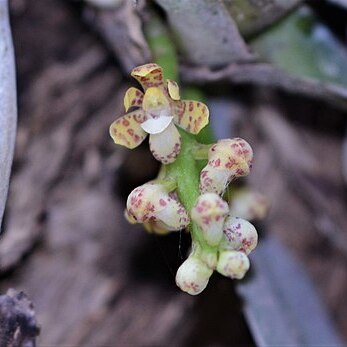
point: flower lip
(156, 126)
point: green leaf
(301, 45)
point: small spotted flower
(233, 264)
(227, 159)
(248, 204)
(193, 275)
(239, 235)
(159, 110)
(209, 213)
(152, 203)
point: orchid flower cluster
(222, 238)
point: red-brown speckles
(162, 202)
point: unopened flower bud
(249, 205)
(193, 276)
(209, 213)
(239, 235)
(233, 264)
(227, 159)
(151, 202)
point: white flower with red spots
(233, 264)
(227, 160)
(193, 275)
(249, 204)
(152, 203)
(209, 213)
(238, 235)
(159, 109)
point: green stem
(185, 170)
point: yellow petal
(166, 145)
(191, 116)
(148, 75)
(173, 89)
(133, 98)
(127, 131)
(154, 101)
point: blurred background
(273, 72)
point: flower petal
(173, 89)
(148, 75)
(166, 145)
(213, 181)
(174, 215)
(233, 264)
(127, 131)
(208, 213)
(156, 103)
(239, 235)
(133, 98)
(191, 116)
(157, 125)
(193, 276)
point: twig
(8, 106)
(121, 30)
(264, 75)
(206, 32)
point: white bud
(228, 159)
(249, 205)
(233, 264)
(151, 202)
(208, 213)
(193, 275)
(239, 235)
